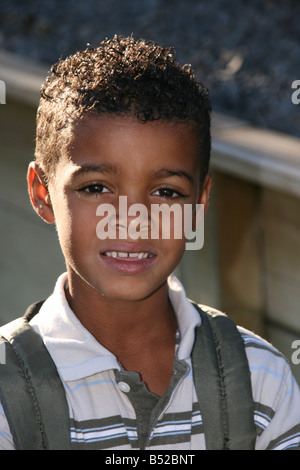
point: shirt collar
(75, 351)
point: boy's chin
(128, 290)
(98, 286)
(132, 295)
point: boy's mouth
(130, 256)
(128, 259)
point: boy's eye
(167, 193)
(94, 189)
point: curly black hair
(121, 76)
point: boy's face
(110, 156)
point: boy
(124, 119)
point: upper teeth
(122, 254)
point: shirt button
(124, 387)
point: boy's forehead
(91, 123)
(128, 129)
(112, 141)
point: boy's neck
(140, 334)
(122, 324)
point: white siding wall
(30, 257)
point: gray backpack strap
(31, 392)
(223, 384)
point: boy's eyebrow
(102, 168)
(108, 168)
(165, 172)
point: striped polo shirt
(111, 408)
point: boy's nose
(135, 196)
(133, 215)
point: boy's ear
(205, 192)
(38, 193)
(203, 199)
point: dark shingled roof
(246, 52)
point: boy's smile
(109, 157)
